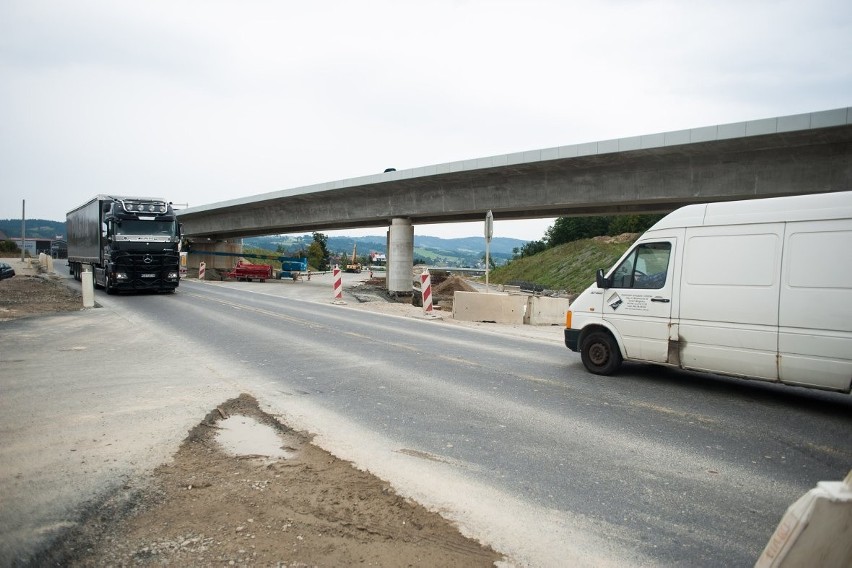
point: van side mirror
(601, 280)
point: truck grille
(146, 270)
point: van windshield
(644, 268)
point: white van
(759, 289)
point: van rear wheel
(600, 353)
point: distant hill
(36, 228)
(467, 251)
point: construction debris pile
(444, 287)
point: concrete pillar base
(400, 256)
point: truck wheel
(107, 288)
(600, 353)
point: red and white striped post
(338, 285)
(202, 269)
(426, 291)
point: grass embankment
(569, 267)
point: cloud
(207, 101)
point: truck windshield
(134, 227)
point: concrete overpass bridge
(798, 154)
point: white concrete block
(546, 311)
(87, 279)
(499, 308)
(816, 530)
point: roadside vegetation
(572, 249)
(570, 267)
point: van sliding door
(729, 299)
(815, 333)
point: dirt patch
(211, 508)
(451, 285)
(622, 238)
(29, 295)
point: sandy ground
(221, 502)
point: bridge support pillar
(400, 256)
(214, 261)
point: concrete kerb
(429, 316)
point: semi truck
(758, 289)
(129, 243)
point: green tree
(632, 223)
(529, 249)
(569, 229)
(9, 246)
(318, 252)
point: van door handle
(663, 300)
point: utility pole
(23, 228)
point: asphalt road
(510, 436)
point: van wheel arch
(599, 352)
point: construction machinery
(246, 272)
(354, 265)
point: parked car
(6, 271)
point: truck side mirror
(601, 280)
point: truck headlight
(121, 276)
(172, 276)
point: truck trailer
(129, 243)
(758, 289)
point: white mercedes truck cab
(759, 289)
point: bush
(9, 246)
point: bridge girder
(645, 180)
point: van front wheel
(600, 353)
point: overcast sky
(205, 101)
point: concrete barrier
(45, 262)
(816, 530)
(509, 308)
(88, 285)
(546, 311)
(499, 308)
